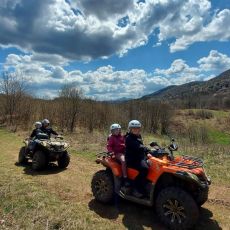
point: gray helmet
(134, 124)
(45, 122)
(115, 126)
(38, 124)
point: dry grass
(56, 199)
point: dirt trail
(72, 188)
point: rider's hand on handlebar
(111, 154)
(149, 155)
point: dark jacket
(35, 132)
(48, 131)
(135, 150)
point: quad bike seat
(132, 173)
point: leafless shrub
(203, 114)
(15, 91)
(197, 134)
(69, 106)
(190, 112)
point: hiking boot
(137, 194)
(126, 182)
(125, 190)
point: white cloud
(215, 61)
(103, 10)
(90, 29)
(179, 73)
(217, 29)
(107, 83)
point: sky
(113, 49)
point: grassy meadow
(62, 199)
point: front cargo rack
(188, 162)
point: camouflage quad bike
(46, 150)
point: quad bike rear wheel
(64, 160)
(39, 160)
(22, 156)
(102, 186)
(176, 208)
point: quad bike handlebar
(104, 154)
(183, 161)
(59, 137)
(161, 151)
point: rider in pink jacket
(116, 145)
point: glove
(152, 144)
(146, 150)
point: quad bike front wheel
(176, 208)
(102, 186)
(64, 160)
(22, 156)
(39, 160)
(202, 196)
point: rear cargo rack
(189, 162)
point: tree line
(70, 110)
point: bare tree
(70, 101)
(14, 88)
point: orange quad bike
(176, 187)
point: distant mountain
(119, 100)
(215, 87)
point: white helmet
(115, 126)
(38, 124)
(45, 122)
(134, 124)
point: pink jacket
(116, 144)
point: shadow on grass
(134, 216)
(50, 169)
(205, 221)
(139, 217)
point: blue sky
(113, 49)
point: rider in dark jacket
(47, 129)
(33, 135)
(135, 156)
(37, 130)
(135, 150)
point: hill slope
(215, 87)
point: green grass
(216, 113)
(35, 201)
(56, 199)
(220, 113)
(216, 159)
(219, 137)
